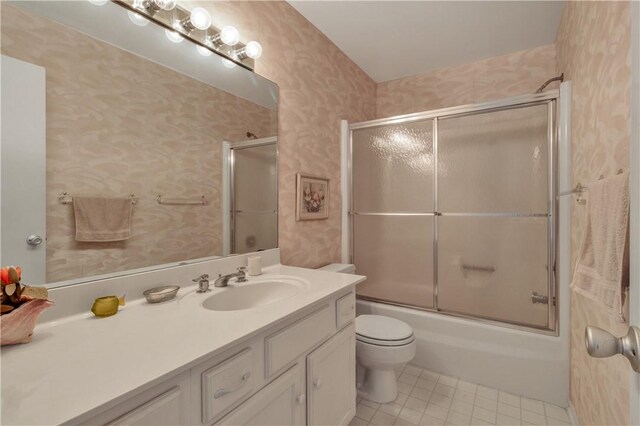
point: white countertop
(75, 365)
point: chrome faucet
(203, 283)
(223, 280)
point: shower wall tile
(319, 86)
(486, 80)
(593, 50)
(166, 138)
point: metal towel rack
(66, 198)
(580, 189)
(182, 201)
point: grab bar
(465, 268)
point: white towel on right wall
(602, 271)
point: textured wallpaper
(120, 124)
(319, 86)
(486, 80)
(593, 45)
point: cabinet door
(162, 410)
(281, 403)
(164, 404)
(331, 380)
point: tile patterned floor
(428, 398)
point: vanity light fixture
(199, 19)
(138, 19)
(228, 35)
(154, 6)
(173, 36)
(204, 51)
(98, 2)
(252, 50)
(181, 23)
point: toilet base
(379, 386)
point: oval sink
(249, 295)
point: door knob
(602, 344)
(34, 240)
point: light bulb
(200, 18)
(253, 50)
(173, 36)
(229, 35)
(166, 4)
(138, 19)
(98, 2)
(227, 63)
(204, 51)
(154, 6)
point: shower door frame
(228, 183)
(549, 98)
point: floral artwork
(312, 195)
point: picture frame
(312, 197)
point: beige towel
(602, 271)
(102, 219)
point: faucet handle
(203, 283)
(201, 278)
(243, 278)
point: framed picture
(312, 197)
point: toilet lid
(383, 329)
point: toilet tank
(345, 268)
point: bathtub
(520, 362)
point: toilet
(382, 344)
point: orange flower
(7, 277)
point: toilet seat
(377, 342)
(383, 331)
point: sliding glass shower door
(455, 212)
(393, 212)
(492, 232)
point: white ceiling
(395, 39)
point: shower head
(559, 78)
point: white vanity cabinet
(282, 402)
(166, 404)
(299, 371)
(331, 380)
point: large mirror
(126, 147)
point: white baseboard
(573, 416)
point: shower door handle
(602, 344)
(539, 298)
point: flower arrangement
(21, 305)
(313, 196)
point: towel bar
(66, 198)
(182, 202)
(581, 189)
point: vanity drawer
(345, 310)
(289, 343)
(226, 384)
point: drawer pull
(301, 398)
(317, 383)
(224, 391)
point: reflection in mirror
(254, 195)
(115, 110)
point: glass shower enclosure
(454, 210)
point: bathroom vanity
(288, 362)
